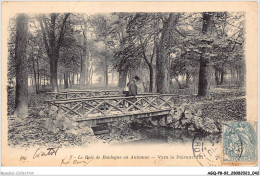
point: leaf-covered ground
(223, 105)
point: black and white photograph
(120, 80)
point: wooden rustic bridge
(97, 110)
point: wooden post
(58, 109)
(83, 108)
(124, 103)
(109, 102)
(105, 108)
(142, 103)
(172, 100)
(49, 107)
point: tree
(142, 32)
(83, 77)
(102, 27)
(163, 56)
(228, 44)
(203, 87)
(53, 32)
(118, 33)
(81, 26)
(11, 52)
(37, 58)
(21, 93)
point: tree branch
(143, 52)
(62, 32)
(44, 36)
(46, 26)
(179, 32)
(154, 47)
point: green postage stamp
(240, 142)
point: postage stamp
(240, 142)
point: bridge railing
(98, 96)
(79, 94)
(91, 108)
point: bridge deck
(92, 121)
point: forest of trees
(65, 49)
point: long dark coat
(132, 88)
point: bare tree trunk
(66, 82)
(221, 77)
(217, 76)
(53, 69)
(122, 78)
(91, 74)
(35, 77)
(21, 93)
(242, 75)
(40, 82)
(73, 79)
(231, 76)
(162, 56)
(150, 65)
(106, 72)
(36, 84)
(48, 80)
(203, 77)
(155, 80)
(38, 73)
(82, 78)
(151, 78)
(204, 82)
(237, 72)
(77, 78)
(31, 81)
(44, 80)
(87, 68)
(84, 60)
(69, 79)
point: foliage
(126, 41)
(189, 117)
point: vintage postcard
(129, 84)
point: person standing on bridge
(132, 87)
